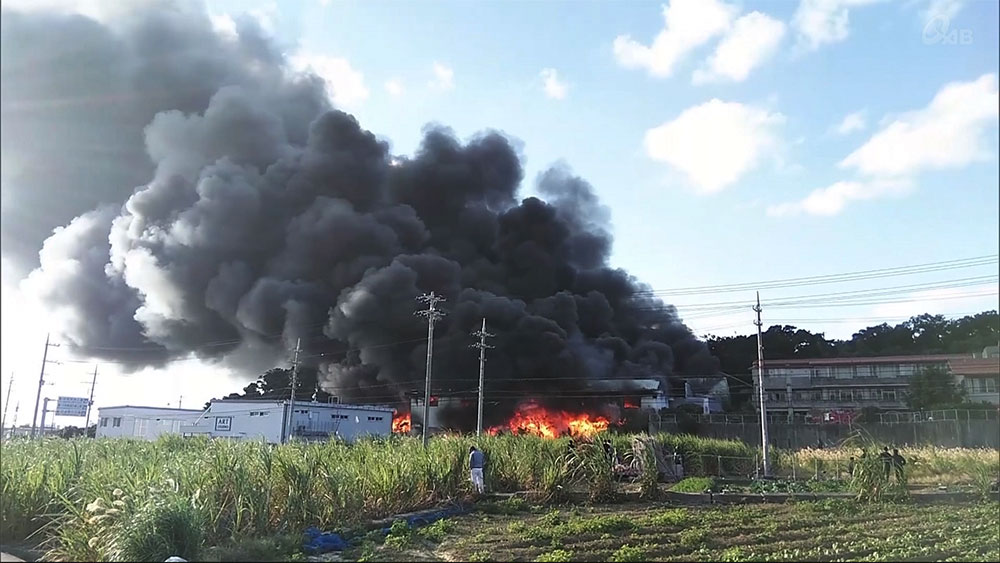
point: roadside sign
(72, 406)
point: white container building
(146, 423)
(249, 419)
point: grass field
(121, 500)
(814, 531)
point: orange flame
(532, 418)
(401, 423)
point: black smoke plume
(268, 219)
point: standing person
(897, 463)
(477, 461)
(886, 458)
(850, 467)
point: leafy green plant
(628, 553)
(555, 555)
(693, 485)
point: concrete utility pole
(45, 409)
(41, 381)
(482, 345)
(433, 315)
(90, 402)
(760, 380)
(13, 423)
(6, 401)
(291, 399)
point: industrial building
(247, 419)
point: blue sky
(885, 62)
(732, 141)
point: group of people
(891, 463)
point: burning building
(259, 217)
(582, 413)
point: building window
(374, 418)
(259, 413)
(104, 421)
(338, 416)
(303, 411)
(116, 422)
(888, 370)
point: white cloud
(394, 87)
(554, 88)
(819, 22)
(947, 133)
(344, 84)
(852, 122)
(753, 39)
(266, 15)
(715, 143)
(687, 25)
(941, 10)
(832, 199)
(444, 77)
(223, 24)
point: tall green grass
(122, 500)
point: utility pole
(13, 423)
(482, 345)
(6, 402)
(90, 402)
(760, 380)
(433, 315)
(291, 399)
(180, 401)
(45, 409)
(41, 381)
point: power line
(830, 278)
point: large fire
(532, 418)
(401, 423)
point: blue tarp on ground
(317, 541)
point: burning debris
(266, 218)
(401, 423)
(532, 418)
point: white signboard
(72, 406)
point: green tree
(931, 387)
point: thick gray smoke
(75, 95)
(267, 218)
